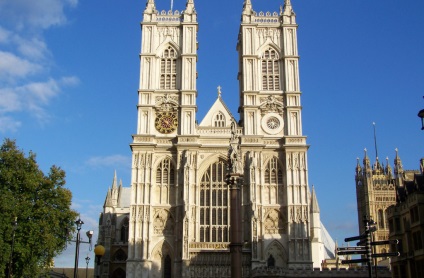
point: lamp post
(87, 261)
(15, 225)
(78, 241)
(99, 251)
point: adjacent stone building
(114, 229)
(375, 192)
(406, 224)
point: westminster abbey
(174, 219)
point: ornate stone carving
(166, 103)
(271, 104)
(163, 223)
(274, 223)
(234, 155)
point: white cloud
(12, 66)
(40, 14)
(69, 80)
(34, 96)
(33, 48)
(10, 101)
(112, 160)
(9, 124)
(4, 35)
(25, 59)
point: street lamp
(99, 251)
(421, 115)
(87, 261)
(15, 225)
(78, 241)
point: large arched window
(273, 182)
(164, 189)
(270, 70)
(273, 174)
(168, 69)
(214, 206)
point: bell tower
(167, 89)
(165, 114)
(270, 114)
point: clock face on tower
(166, 122)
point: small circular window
(272, 123)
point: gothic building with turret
(377, 188)
(174, 220)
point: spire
(358, 167)
(150, 6)
(247, 13)
(190, 7)
(219, 91)
(287, 9)
(366, 160)
(247, 7)
(115, 181)
(375, 141)
(314, 201)
(388, 169)
(287, 14)
(398, 164)
(377, 166)
(108, 201)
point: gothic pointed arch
(268, 44)
(166, 44)
(214, 203)
(163, 258)
(164, 181)
(276, 253)
(168, 56)
(270, 68)
(273, 181)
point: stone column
(236, 244)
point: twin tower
(179, 203)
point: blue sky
(69, 73)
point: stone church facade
(177, 212)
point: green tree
(41, 204)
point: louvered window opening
(270, 70)
(168, 69)
(165, 173)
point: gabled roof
(218, 106)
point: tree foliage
(41, 204)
